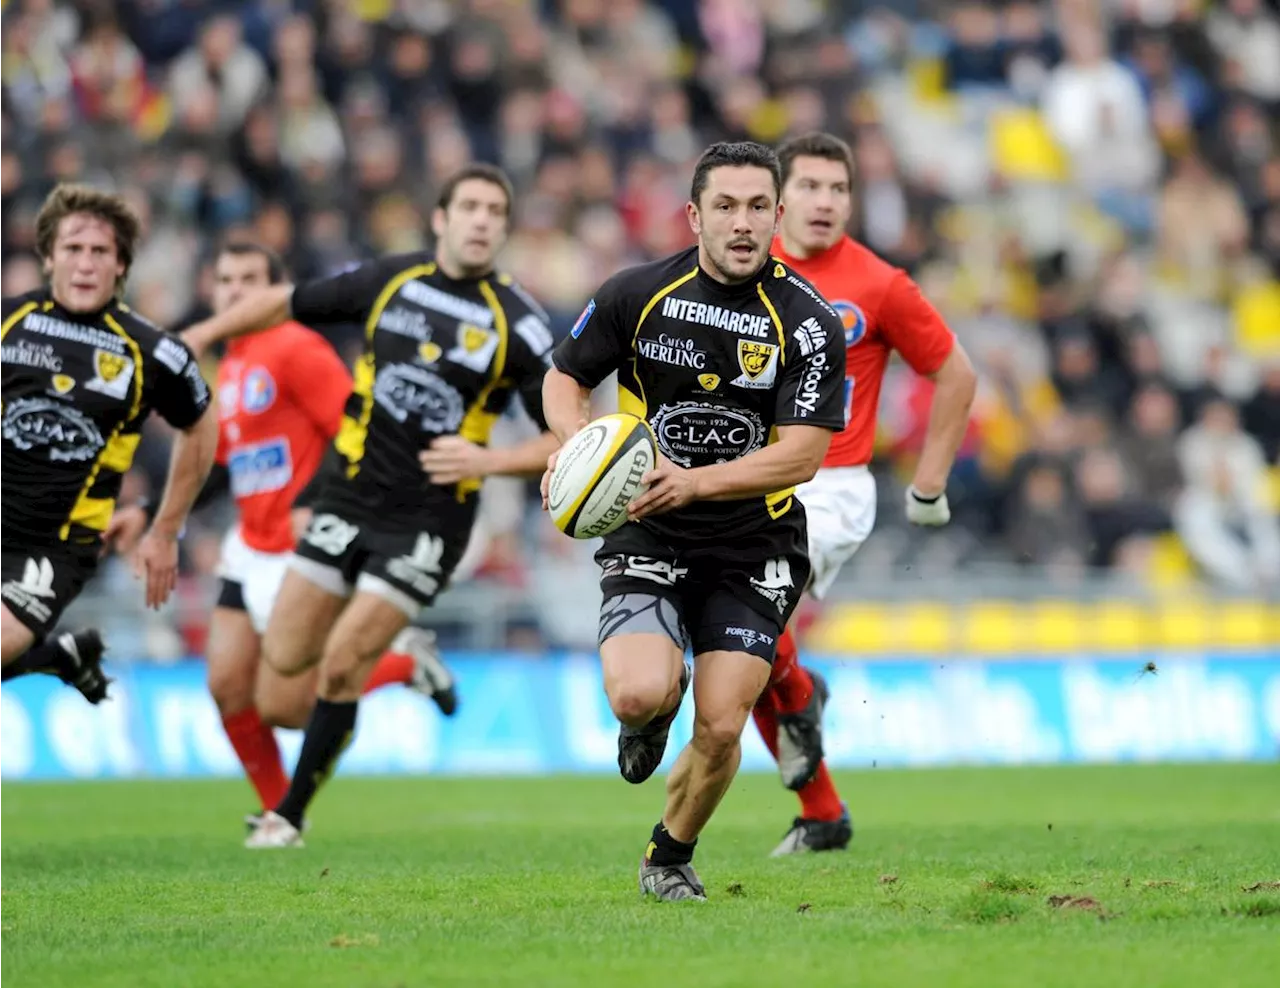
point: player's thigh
(36, 586)
(642, 634)
(300, 623)
(642, 645)
(840, 513)
(233, 652)
(367, 626)
(261, 585)
(734, 642)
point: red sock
(255, 745)
(789, 684)
(819, 799)
(766, 722)
(393, 667)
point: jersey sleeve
(175, 387)
(913, 327)
(600, 340)
(317, 380)
(531, 346)
(347, 297)
(811, 389)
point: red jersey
(280, 399)
(882, 310)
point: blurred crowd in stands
(1089, 190)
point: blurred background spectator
(1089, 190)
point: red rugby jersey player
(883, 311)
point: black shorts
(38, 584)
(405, 563)
(736, 597)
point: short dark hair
(245, 248)
(815, 145)
(486, 173)
(68, 200)
(737, 154)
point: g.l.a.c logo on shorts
(583, 319)
(855, 323)
(258, 393)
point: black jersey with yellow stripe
(715, 369)
(442, 356)
(76, 390)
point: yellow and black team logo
(759, 364)
(754, 358)
(429, 352)
(709, 382)
(108, 366)
(472, 337)
(62, 383)
(112, 373)
(779, 271)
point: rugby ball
(598, 474)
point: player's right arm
(341, 298)
(599, 343)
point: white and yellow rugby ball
(598, 473)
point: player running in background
(737, 365)
(882, 311)
(447, 343)
(281, 394)
(82, 372)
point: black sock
(666, 850)
(44, 656)
(328, 733)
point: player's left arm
(809, 409)
(913, 327)
(178, 392)
(451, 459)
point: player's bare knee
(716, 737)
(636, 702)
(288, 711)
(231, 687)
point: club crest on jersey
(62, 383)
(429, 352)
(472, 336)
(112, 373)
(709, 382)
(855, 323)
(779, 271)
(759, 364)
(258, 391)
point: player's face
(84, 264)
(734, 221)
(472, 229)
(819, 204)
(237, 275)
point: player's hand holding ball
(670, 487)
(931, 511)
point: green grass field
(412, 882)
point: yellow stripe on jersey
(17, 316)
(95, 512)
(14, 318)
(777, 323)
(479, 420)
(779, 502)
(352, 432)
(624, 394)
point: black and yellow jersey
(76, 390)
(715, 369)
(441, 357)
